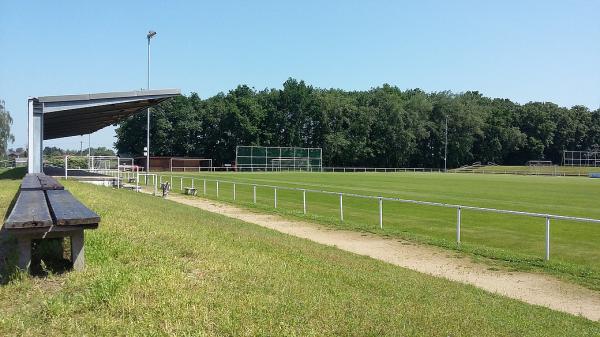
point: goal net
(581, 158)
(264, 158)
(190, 164)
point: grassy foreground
(514, 240)
(156, 267)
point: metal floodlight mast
(150, 35)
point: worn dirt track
(531, 288)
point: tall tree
(5, 135)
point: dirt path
(528, 287)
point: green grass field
(155, 268)
(516, 240)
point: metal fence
(380, 199)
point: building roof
(72, 115)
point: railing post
(204, 186)
(217, 188)
(547, 257)
(458, 224)
(254, 193)
(304, 201)
(341, 207)
(233, 191)
(381, 212)
(155, 185)
(275, 196)
(66, 167)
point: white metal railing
(341, 169)
(305, 169)
(380, 200)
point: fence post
(171, 181)
(547, 257)
(181, 184)
(217, 188)
(155, 185)
(381, 212)
(458, 225)
(204, 186)
(341, 207)
(192, 182)
(66, 167)
(275, 199)
(304, 200)
(233, 191)
(254, 193)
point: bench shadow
(16, 173)
(48, 256)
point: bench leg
(77, 252)
(24, 244)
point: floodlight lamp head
(151, 34)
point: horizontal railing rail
(547, 216)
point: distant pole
(89, 145)
(446, 147)
(81, 147)
(149, 36)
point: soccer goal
(581, 158)
(265, 158)
(190, 164)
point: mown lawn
(516, 240)
(155, 267)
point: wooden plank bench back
(30, 210)
(49, 183)
(68, 211)
(40, 181)
(31, 183)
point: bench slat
(69, 211)
(49, 183)
(30, 210)
(31, 183)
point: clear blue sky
(522, 50)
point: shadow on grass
(16, 173)
(47, 257)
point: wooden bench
(44, 210)
(190, 190)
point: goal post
(190, 164)
(277, 158)
(581, 158)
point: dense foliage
(54, 156)
(384, 126)
(53, 151)
(5, 135)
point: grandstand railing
(459, 208)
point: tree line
(5, 135)
(381, 127)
